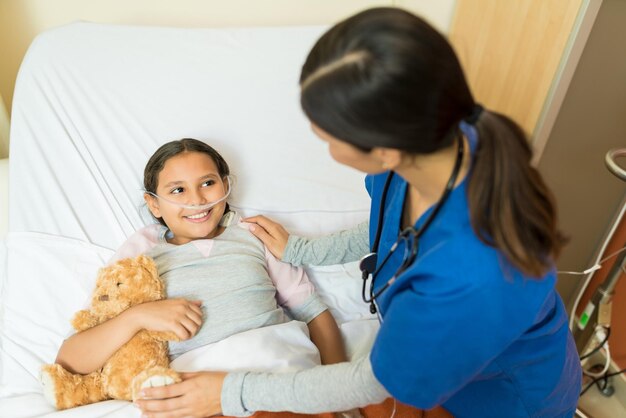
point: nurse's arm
(338, 248)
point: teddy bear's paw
(66, 390)
(48, 379)
(57, 382)
(153, 377)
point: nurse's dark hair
(386, 78)
(173, 148)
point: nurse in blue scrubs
(465, 235)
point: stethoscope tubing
(405, 235)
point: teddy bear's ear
(103, 273)
(148, 264)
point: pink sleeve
(292, 284)
(138, 243)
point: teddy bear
(143, 361)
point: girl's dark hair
(386, 78)
(171, 149)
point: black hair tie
(475, 115)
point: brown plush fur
(118, 287)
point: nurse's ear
(153, 205)
(390, 158)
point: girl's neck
(182, 241)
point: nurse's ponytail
(386, 78)
(511, 208)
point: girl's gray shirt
(241, 285)
(229, 274)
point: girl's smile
(189, 178)
(199, 217)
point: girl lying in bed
(220, 279)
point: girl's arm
(88, 350)
(296, 293)
(326, 336)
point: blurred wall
(22, 20)
(591, 121)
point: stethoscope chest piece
(367, 265)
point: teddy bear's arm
(84, 320)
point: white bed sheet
(92, 103)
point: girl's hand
(181, 316)
(198, 395)
(272, 234)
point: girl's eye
(176, 190)
(208, 183)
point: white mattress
(92, 103)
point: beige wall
(22, 20)
(503, 48)
(4, 130)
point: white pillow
(49, 279)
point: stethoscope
(409, 236)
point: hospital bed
(92, 103)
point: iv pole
(598, 310)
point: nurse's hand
(198, 395)
(272, 234)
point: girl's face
(348, 154)
(189, 178)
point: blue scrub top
(462, 327)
